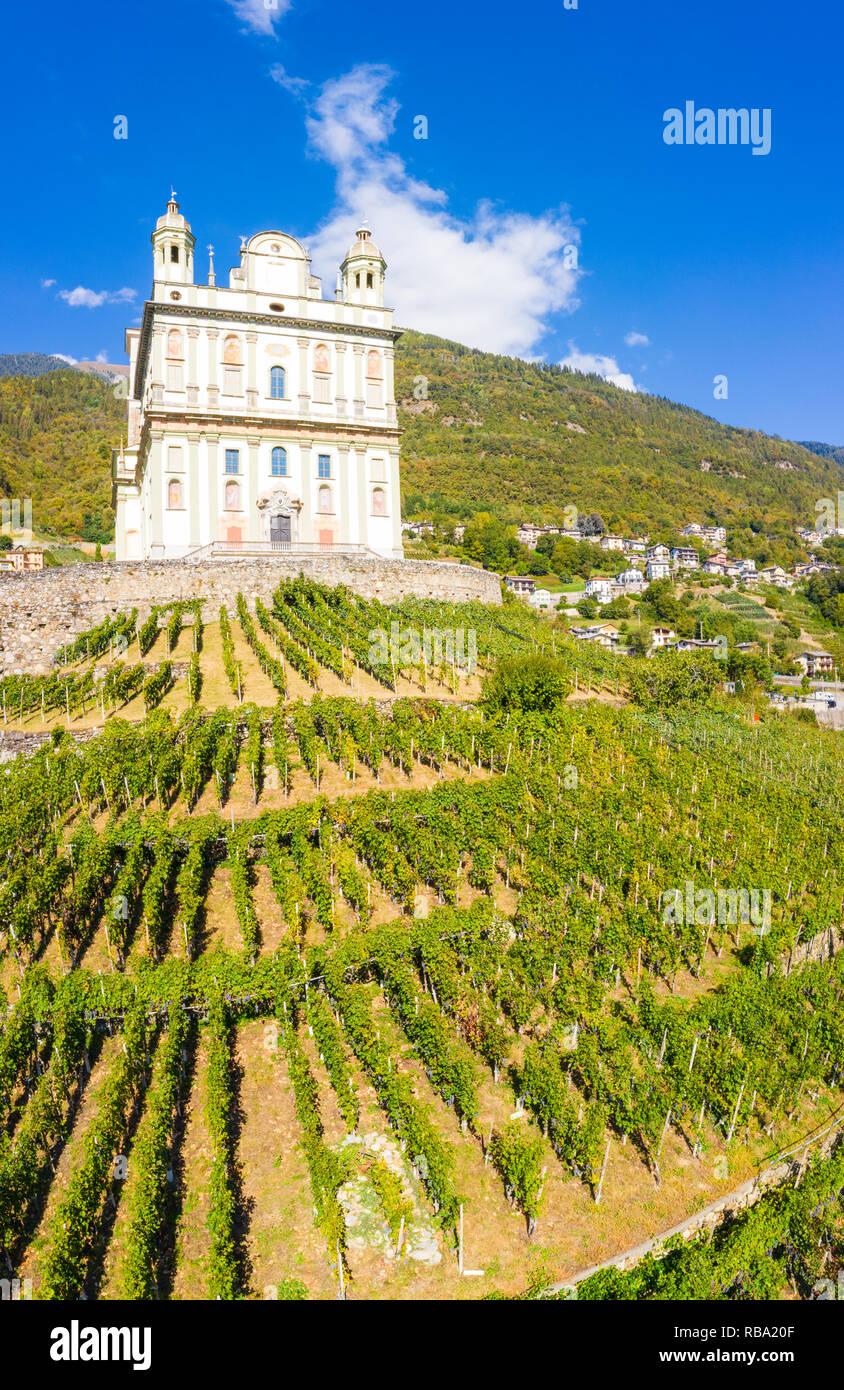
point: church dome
(364, 246)
(172, 218)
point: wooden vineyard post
(603, 1171)
(735, 1112)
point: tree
(640, 642)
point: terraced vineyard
(320, 978)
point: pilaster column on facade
(304, 376)
(157, 381)
(390, 384)
(251, 372)
(211, 444)
(359, 396)
(120, 528)
(306, 525)
(250, 504)
(359, 465)
(193, 378)
(133, 429)
(343, 493)
(212, 335)
(193, 489)
(341, 402)
(156, 478)
(395, 501)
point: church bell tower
(173, 244)
(363, 271)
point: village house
(775, 574)
(692, 644)
(629, 581)
(662, 637)
(684, 557)
(521, 584)
(716, 564)
(610, 542)
(599, 589)
(602, 634)
(658, 569)
(815, 664)
(23, 558)
(528, 534)
(543, 599)
(712, 535)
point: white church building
(261, 417)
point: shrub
(526, 683)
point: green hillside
(56, 434)
(520, 439)
(495, 433)
(30, 363)
(825, 451)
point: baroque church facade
(261, 417)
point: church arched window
(175, 495)
(232, 497)
(278, 382)
(324, 503)
(278, 465)
(175, 346)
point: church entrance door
(280, 532)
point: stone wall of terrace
(43, 610)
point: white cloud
(47, 284)
(101, 356)
(490, 280)
(92, 299)
(64, 357)
(260, 15)
(601, 365)
(295, 85)
(634, 339)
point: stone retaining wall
(42, 610)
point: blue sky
(545, 133)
